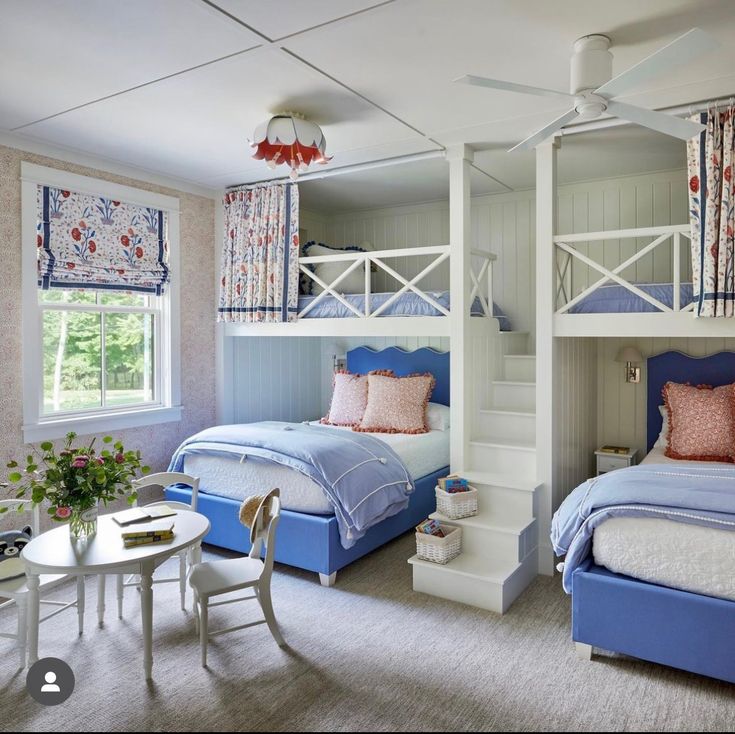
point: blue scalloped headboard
(717, 369)
(364, 359)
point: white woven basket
(456, 505)
(439, 550)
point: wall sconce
(339, 363)
(630, 355)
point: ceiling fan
(593, 90)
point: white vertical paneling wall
(312, 226)
(621, 406)
(276, 378)
(505, 225)
(575, 420)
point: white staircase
(499, 544)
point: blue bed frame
(656, 623)
(312, 542)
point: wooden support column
(460, 158)
(546, 361)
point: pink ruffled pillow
(701, 422)
(397, 404)
(349, 398)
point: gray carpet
(369, 654)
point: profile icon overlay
(50, 681)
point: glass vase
(83, 522)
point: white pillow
(662, 441)
(437, 417)
(329, 272)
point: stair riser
(490, 544)
(510, 427)
(515, 342)
(523, 370)
(502, 460)
(516, 502)
(514, 397)
(455, 587)
(514, 586)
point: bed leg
(328, 580)
(584, 652)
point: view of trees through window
(98, 350)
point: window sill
(99, 423)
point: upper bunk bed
(338, 308)
(628, 282)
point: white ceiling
(177, 86)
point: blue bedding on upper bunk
(687, 494)
(615, 298)
(407, 304)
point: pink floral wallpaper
(198, 310)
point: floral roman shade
(260, 254)
(90, 242)
(711, 159)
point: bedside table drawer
(609, 463)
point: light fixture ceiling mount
(288, 138)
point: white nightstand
(607, 462)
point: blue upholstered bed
(618, 613)
(311, 541)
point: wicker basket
(456, 505)
(439, 550)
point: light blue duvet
(700, 495)
(362, 476)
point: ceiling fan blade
(659, 121)
(481, 81)
(545, 132)
(677, 53)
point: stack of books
(615, 449)
(454, 483)
(430, 527)
(155, 533)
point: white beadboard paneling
(276, 378)
(312, 226)
(575, 421)
(621, 406)
(505, 224)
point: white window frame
(167, 408)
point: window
(97, 356)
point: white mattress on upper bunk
(422, 454)
(681, 556)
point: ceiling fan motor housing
(591, 64)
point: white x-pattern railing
(565, 244)
(370, 261)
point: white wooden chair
(16, 590)
(222, 577)
(164, 479)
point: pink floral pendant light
(289, 139)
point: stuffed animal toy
(12, 543)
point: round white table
(55, 552)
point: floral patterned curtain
(95, 243)
(260, 254)
(712, 212)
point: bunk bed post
(546, 367)
(460, 159)
(224, 344)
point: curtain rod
(677, 111)
(355, 168)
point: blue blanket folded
(689, 494)
(362, 476)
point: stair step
(514, 395)
(496, 479)
(503, 456)
(495, 522)
(520, 367)
(470, 579)
(511, 424)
